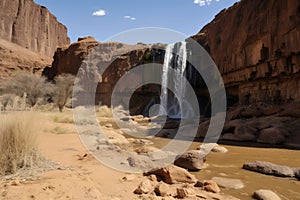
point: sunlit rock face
(256, 46)
(31, 26)
(116, 58)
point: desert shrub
(63, 119)
(63, 90)
(6, 100)
(104, 111)
(59, 130)
(84, 116)
(28, 85)
(18, 141)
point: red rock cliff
(31, 26)
(118, 56)
(256, 46)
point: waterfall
(175, 58)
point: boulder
(144, 187)
(185, 192)
(265, 195)
(163, 189)
(172, 174)
(219, 149)
(273, 135)
(191, 160)
(199, 183)
(211, 186)
(269, 169)
(228, 183)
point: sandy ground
(78, 178)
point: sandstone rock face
(116, 58)
(31, 26)
(15, 58)
(256, 47)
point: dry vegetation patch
(18, 141)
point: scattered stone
(269, 169)
(211, 186)
(140, 161)
(273, 135)
(146, 149)
(112, 137)
(129, 177)
(219, 149)
(108, 125)
(191, 160)
(140, 141)
(172, 174)
(125, 119)
(265, 195)
(199, 184)
(144, 187)
(229, 183)
(185, 192)
(15, 183)
(4, 193)
(162, 189)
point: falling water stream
(173, 76)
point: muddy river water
(229, 165)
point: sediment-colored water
(229, 165)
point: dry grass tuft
(18, 141)
(104, 111)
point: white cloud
(99, 13)
(129, 17)
(204, 2)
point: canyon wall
(256, 46)
(116, 58)
(31, 26)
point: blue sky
(104, 18)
